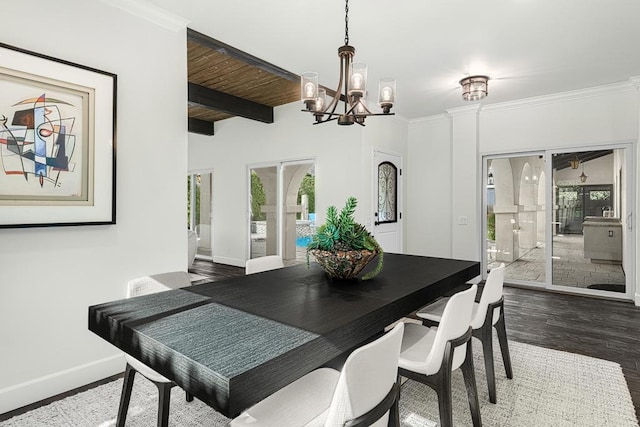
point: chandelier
(353, 82)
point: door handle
(629, 224)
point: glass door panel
(199, 193)
(298, 196)
(588, 231)
(264, 213)
(515, 217)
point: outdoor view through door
(282, 210)
(199, 192)
(584, 229)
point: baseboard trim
(229, 261)
(28, 392)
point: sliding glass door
(561, 219)
(589, 235)
(514, 216)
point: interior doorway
(560, 219)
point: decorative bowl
(343, 264)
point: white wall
(342, 155)
(591, 117)
(50, 276)
(428, 184)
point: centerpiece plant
(344, 247)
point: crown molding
(430, 119)
(635, 80)
(471, 109)
(151, 13)
(629, 85)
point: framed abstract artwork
(57, 142)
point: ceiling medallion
(474, 88)
(352, 89)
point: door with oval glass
(387, 185)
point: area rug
(549, 388)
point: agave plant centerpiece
(344, 247)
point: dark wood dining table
(233, 342)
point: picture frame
(57, 142)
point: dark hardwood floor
(215, 271)
(593, 327)
(599, 328)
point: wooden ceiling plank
(238, 54)
(214, 99)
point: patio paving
(570, 268)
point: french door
(562, 219)
(281, 209)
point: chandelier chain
(346, 22)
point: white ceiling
(527, 47)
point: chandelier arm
(334, 102)
(325, 121)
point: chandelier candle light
(353, 79)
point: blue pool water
(303, 241)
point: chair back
(257, 265)
(491, 293)
(157, 283)
(366, 378)
(455, 322)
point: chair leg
(443, 390)
(164, 397)
(469, 375)
(487, 350)
(394, 412)
(127, 386)
(501, 330)
(188, 396)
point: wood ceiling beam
(220, 101)
(217, 45)
(202, 127)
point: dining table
(233, 342)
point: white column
(465, 191)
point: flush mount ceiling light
(353, 80)
(474, 88)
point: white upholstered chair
(488, 313)
(265, 263)
(429, 355)
(143, 286)
(364, 393)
